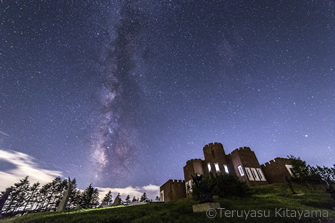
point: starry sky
(123, 93)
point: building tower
(215, 159)
(193, 167)
(246, 166)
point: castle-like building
(242, 162)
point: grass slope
(267, 198)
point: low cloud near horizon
(26, 165)
(151, 190)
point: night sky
(123, 93)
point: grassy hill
(276, 200)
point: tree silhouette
(90, 197)
(128, 199)
(108, 198)
(31, 196)
(53, 192)
(144, 197)
(120, 199)
(25, 198)
(74, 196)
(18, 195)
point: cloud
(25, 165)
(3, 133)
(151, 190)
(151, 187)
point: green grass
(266, 198)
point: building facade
(172, 190)
(276, 170)
(242, 162)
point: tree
(45, 197)
(144, 197)
(300, 169)
(108, 198)
(226, 185)
(4, 197)
(128, 199)
(25, 198)
(54, 191)
(134, 199)
(74, 196)
(75, 199)
(324, 172)
(31, 198)
(62, 187)
(18, 196)
(118, 195)
(305, 173)
(90, 197)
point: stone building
(242, 162)
(276, 170)
(172, 190)
(192, 168)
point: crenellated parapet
(210, 145)
(277, 161)
(242, 150)
(245, 148)
(178, 182)
(218, 147)
(174, 182)
(189, 162)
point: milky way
(115, 143)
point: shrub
(226, 185)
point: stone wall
(173, 190)
(234, 161)
(275, 171)
(246, 158)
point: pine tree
(144, 197)
(128, 199)
(31, 198)
(108, 198)
(118, 195)
(77, 199)
(90, 197)
(54, 191)
(73, 199)
(24, 198)
(45, 197)
(18, 196)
